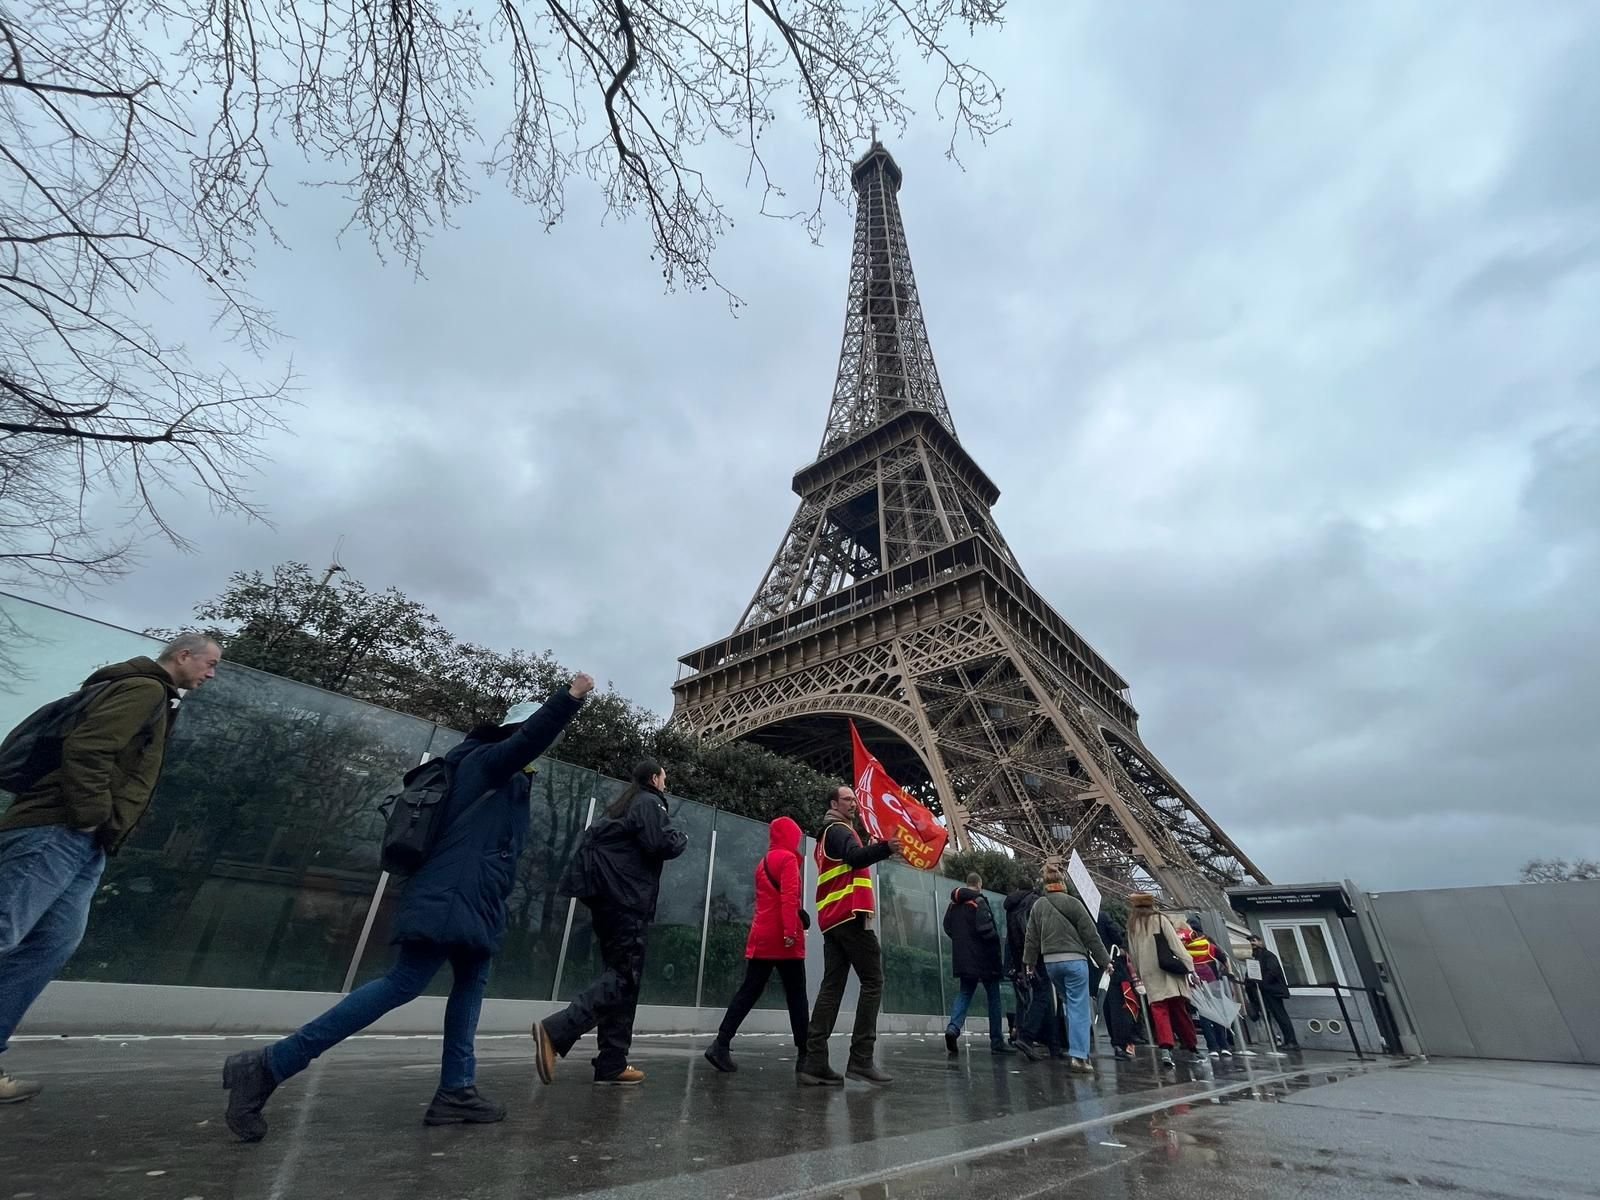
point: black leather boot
(249, 1082)
(463, 1106)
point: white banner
(1087, 892)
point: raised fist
(582, 685)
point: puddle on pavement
(1148, 1149)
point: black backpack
(414, 817)
(581, 879)
(33, 749)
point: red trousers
(1167, 1014)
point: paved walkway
(1492, 1130)
(136, 1119)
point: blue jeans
(1071, 982)
(414, 968)
(958, 1012)
(48, 878)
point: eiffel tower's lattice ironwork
(894, 600)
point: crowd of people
(84, 768)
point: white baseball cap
(518, 713)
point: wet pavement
(141, 1118)
(1501, 1131)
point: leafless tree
(139, 141)
(95, 211)
(1559, 870)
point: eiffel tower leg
(955, 813)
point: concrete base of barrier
(69, 1008)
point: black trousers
(609, 1003)
(848, 946)
(792, 972)
(1279, 1012)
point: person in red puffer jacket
(777, 943)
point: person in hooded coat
(974, 959)
(620, 867)
(1040, 1029)
(453, 910)
(777, 942)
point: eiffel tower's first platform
(894, 600)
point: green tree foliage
(1001, 872)
(387, 649)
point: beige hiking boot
(15, 1091)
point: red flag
(891, 815)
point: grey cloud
(1274, 327)
(1527, 270)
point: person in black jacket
(1273, 989)
(1039, 1024)
(453, 910)
(974, 959)
(628, 846)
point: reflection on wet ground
(1512, 1131)
(142, 1118)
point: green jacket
(110, 762)
(1058, 923)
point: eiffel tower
(894, 600)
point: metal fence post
(705, 920)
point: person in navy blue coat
(453, 910)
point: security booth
(1335, 999)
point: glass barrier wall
(257, 864)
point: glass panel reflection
(741, 846)
(908, 928)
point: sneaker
(462, 1106)
(1227, 1054)
(1002, 1048)
(1167, 1064)
(248, 1080)
(717, 1055)
(951, 1046)
(809, 1074)
(1081, 1066)
(1028, 1050)
(544, 1053)
(1216, 1055)
(627, 1077)
(15, 1091)
(868, 1073)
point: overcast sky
(1276, 327)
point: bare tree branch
(138, 142)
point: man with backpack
(453, 910)
(974, 959)
(82, 769)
